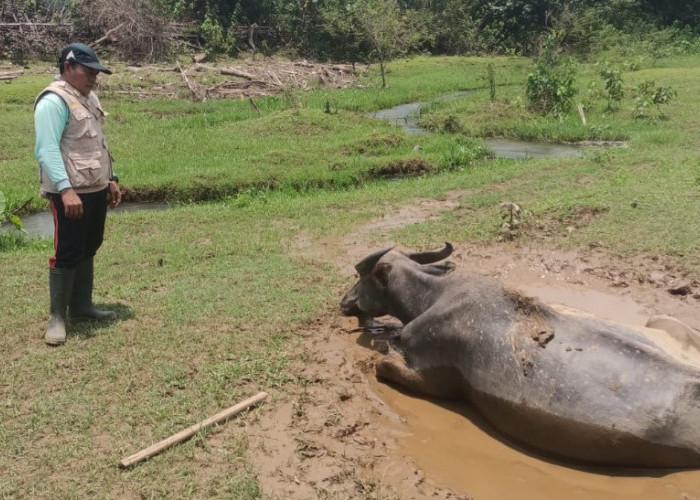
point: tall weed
(550, 86)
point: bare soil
(339, 434)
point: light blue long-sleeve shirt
(51, 117)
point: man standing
(76, 176)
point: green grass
(221, 147)
(211, 296)
(206, 318)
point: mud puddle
(454, 446)
(456, 449)
(361, 439)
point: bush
(647, 94)
(613, 86)
(216, 41)
(6, 214)
(463, 154)
(550, 87)
(138, 29)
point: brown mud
(338, 433)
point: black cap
(83, 55)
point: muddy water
(505, 148)
(408, 115)
(455, 447)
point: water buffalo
(568, 385)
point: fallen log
(10, 76)
(225, 71)
(136, 69)
(236, 72)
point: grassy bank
(212, 297)
(183, 151)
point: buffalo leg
(436, 383)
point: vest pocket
(85, 170)
(85, 125)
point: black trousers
(78, 239)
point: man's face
(81, 77)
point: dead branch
(253, 79)
(251, 36)
(108, 34)
(17, 25)
(193, 92)
(137, 69)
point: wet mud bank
(396, 445)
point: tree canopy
(329, 29)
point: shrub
(550, 87)
(613, 86)
(463, 154)
(137, 30)
(6, 214)
(647, 94)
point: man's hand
(115, 194)
(72, 204)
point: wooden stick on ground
(191, 431)
(582, 114)
(193, 92)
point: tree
(379, 22)
(687, 13)
(339, 39)
(389, 31)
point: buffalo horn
(433, 256)
(367, 264)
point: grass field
(210, 295)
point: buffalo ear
(381, 274)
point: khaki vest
(83, 145)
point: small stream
(404, 115)
(408, 115)
(41, 224)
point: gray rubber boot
(81, 305)
(60, 288)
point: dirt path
(339, 434)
